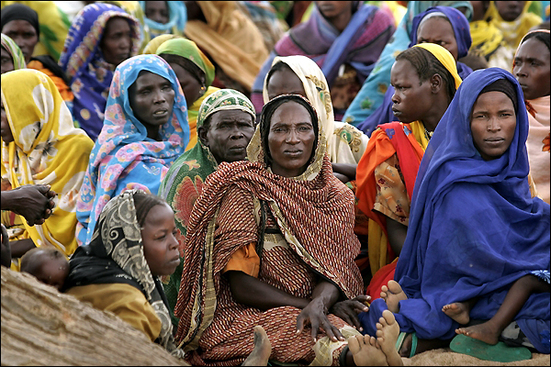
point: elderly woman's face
(24, 35)
(7, 61)
(228, 134)
(151, 99)
(531, 69)
(291, 139)
(5, 129)
(440, 31)
(493, 124)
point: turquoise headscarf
(177, 19)
(124, 157)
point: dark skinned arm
(254, 293)
(396, 235)
(20, 248)
(344, 169)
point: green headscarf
(15, 52)
(184, 180)
(188, 50)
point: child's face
(159, 241)
(54, 272)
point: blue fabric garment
(383, 114)
(177, 19)
(83, 62)
(474, 227)
(371, 94)
(124, 157)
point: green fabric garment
(184, 180)
(189, 50)
(18, 59)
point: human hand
(316, 315)
(35, 203)
(349, 309)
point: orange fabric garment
(64, 90)
(246, 260)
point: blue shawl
(124, 157)
(474, 227)
(82, 61)
(460, 25)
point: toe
(388, 317)
(354, 345)
(394, 287)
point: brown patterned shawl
(314, 212)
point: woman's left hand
(316, 314)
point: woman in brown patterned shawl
(271, 242)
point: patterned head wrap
(47, 149)
(224, 100)
(124, 157)
(83, 63)
(15, 52)
(188, 50)
(117, 238)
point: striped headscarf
(15, 52)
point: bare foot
(366, 351)
(388, 331)
(486, 332)
(262, 349)
(393, 294)
(458, 311)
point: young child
(48, 265)
(489, 331)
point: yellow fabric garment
(47, 149)
(125, 301)
(54, 26)
(445, 58)
(192, 113)
(153, 45)
(513, 31)
(231, 39)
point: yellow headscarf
(47, 149)
(153, 45)
(512, 31)
(446, 59)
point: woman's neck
(340, 22)
(433, 117)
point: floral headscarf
(83, 63)
(124, 157)
(47, 149)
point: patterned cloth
(408, 142)
(374, 88)
(513, 31)
(83, 63)
(314, 215)
(184, 181)
(345, 144)
(460, 26)
(177, 18)
(503, 232)
(116, 254)
(15, 52)
(358, 45)
(188, 50)
(124, 157)
(47, 150)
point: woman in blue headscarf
(370, 96)
(474, 227)
(429, 26)
(92, 51)
(144, 131)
